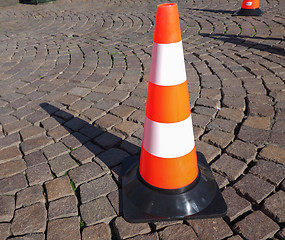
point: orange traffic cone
(168, 181)
(249, 8)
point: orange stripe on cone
(250, 4)
(167, 26)
(169, 173)
(168, 104)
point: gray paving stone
(61, 164)
(132, 145)
(112, 157)
(8, 169)
(218, 138)
(32, 145)
(62, 208)
(122, 111)
(126, 230)
(97, 188)
(222, 125)
(58, 188)
(31, 219)
(32, 132)
(30, 196)
(160, 225)
(107, 121)
(75, 140)
(216, 228)
(75, 124)
(13, 184)
(38, 174)
(58, 132)
(54, 150)
(109, 139)
(209, 151)
(7, 208)
(35, 236)
(35, 158)
(236, 204)
(100, 231)
(256, 226)
(10, 141)
(97, 211)
(247, 186)
(274, 206)
(85, 173)
(253, 135)
(64, 229)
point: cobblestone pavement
(73, 83)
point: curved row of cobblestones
(73, 86)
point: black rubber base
(248, 12)
(142, 203)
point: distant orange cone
(169, 182)
(249, 8)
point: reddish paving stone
(216, 228)
(114, 198)
(15, 126)
(7, 204)
(261, 109)
(51, 123)
(8, 169)
(63, 207)
(4, 231)
(31, 219)
(13, 184)
(68, 99)
(112, 157)
(229, 166)
(36, 117)
(61, 164)
(253, 135)
(211, 112)
(35, 158)
(258, 122)
(213, 103)
(242, 150)
(79, 91)
(163, 224)
(138, 116)
(80, 106)
(106, 104)
(254, 188)
(234, 102)
(55, 150)
(83, 154)
(35, 144)
(97, 211)
(100, 231)
(231, 114)
(30, 196)
(127, 230)
(222, 125)
(274, 206)
(58, 188)
(85, 173)
(183, 231)
(127, 127)
(277, 138)
(93, 114)
(236, 204)
(256, 226)
(35, 236)
(209, 151)
(200, 120)
(32, 132)
(10, 140)
(221, 180)
(64, 229)
(149, 236)
(97, 188)
(38, 174)
(75, 140)
(9, 154)
(268, 170)
(273, 153)
(107, 121)
(218, 138)
(236, 237)
(58, 132)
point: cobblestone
(7, 208)
(73, 100)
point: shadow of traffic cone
(249, 8)
(169, 180)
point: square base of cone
(133, 212)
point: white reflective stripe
(168, 140)
(167, 64)
(248, 4)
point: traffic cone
(249, 8)
(169, 180)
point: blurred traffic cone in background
(169, 180)
(249, 8)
